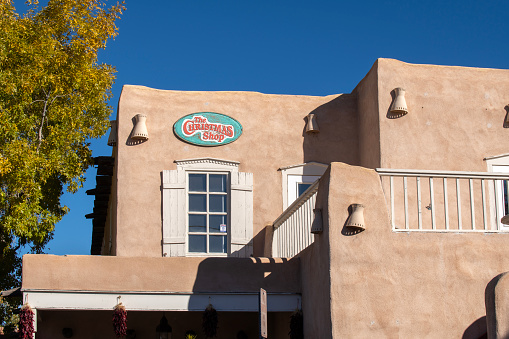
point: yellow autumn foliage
(53, 98)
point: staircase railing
(292, 229)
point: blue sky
(281, 47)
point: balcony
(445, 201)
(417, 201)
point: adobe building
(377, 213)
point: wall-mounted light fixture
(317, 226)
(112, 138)
(163, 330)
(505, 219)
(312, 125)
(356, 218)
(399, 105)
(140, 131)
(506, 120)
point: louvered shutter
(241, 238)
(174, 213)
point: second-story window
(207, 216)
(207, 209)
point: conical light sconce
(506, 120)
(312, 125)
(356, 218)
(317, 225)
(505, 219)
(112, 138)
(399, 105)
(140, 128)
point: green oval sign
(207, 129)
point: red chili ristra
(120, 321)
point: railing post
(458, 201)
(485, 217)
(446, 205)
(432, 203)
(472, 210)
(391, 178)
(419, 206)
(405, 192)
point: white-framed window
(207, 207)
(297, 178)
(207, 212)
(500, 164)
(298, 184)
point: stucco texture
(456, 116)
(396, 285)
(104, 273)
(273, 137)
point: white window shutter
(241, 239)
(174, 213)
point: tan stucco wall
(456, 119)
(315, 275)
(389, 285)
(105, 273)
(456, 116)
(273, 137)
(369, 124)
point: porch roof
(174, 274)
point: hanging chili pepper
(26, 322)
(120, 320)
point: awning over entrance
(158, 301)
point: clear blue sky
(281, 47)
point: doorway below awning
(142, 324)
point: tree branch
(44, 113)
(42, 123)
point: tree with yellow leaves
(53, 97)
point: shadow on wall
(506, 119)
(477, 330)
(259, 243)
(337, 139)
(233, 284)
(248, 275)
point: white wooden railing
(292, 230)
(440, 201)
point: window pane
(197, 202)
(217, 203)
(215, 222)
(198, 243)
(217, 244)
(197, 223)
(303, 188)
(197, 182)
(217, 183)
